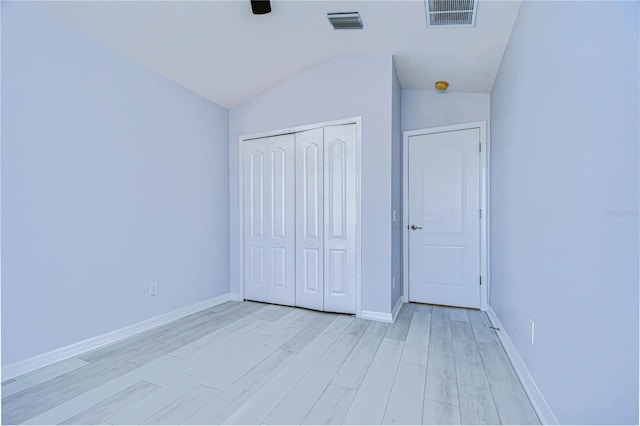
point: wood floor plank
(96, 394)
(421, 307)
(417, 343)
(166, 396)
(227, 305)
(277, 325)
(356, 365)
(152, 352)
(186, 320)
(358, 327)
(30, 402)
(187, 373)
(439, 413)
(511, 400)
(310, 315)
(202, 328)
(40, 375)
(300, 400)
(318, 346)
(180, 409)
(479, 322)
(441, 384)
(371, 399)
(257, 408)
(440, 316)
(458, 314)
(496, 363)
(234, 370)
(339, 369)
(221, 407)
(273, 314)
(236, 329)
(115, 350)
(259, 405)
(477, 406)
(310, 332)
(469, 368)
(210, 360)
(513, 405)
(331, 407)
(180, 328)
(407, 395)
(103, 410)
(399, 329)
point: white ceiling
(221, 51)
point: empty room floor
(252, 363)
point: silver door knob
(414, 227)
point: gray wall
(342, 87)
(422, 109)
(564, 204)
(112, 177)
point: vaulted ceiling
(223, 52)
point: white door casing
(340, 216)
(444, 218)
(309, 219)
(269, 227)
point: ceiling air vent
(345, 20)
(451, 13)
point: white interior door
(309, 219)
(340, 218)
(444, 218)
(269, 228)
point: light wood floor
(252, 363)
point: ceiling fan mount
(260, 7)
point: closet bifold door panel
(340, 216)
(309, 221)
(300, 218)
(269, 215)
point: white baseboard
(383, 316)
(30, 364)
(396, 309)
(533, 392)
(376, 316)
(235, 297)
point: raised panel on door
(256, 240)
(340, 218)
(281, 216)
(309, 219)
(444, 203)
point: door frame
(353, 120)
(484, 204)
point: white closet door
(309, 223)
(281, 169)
(340, 218)
(255, 220)
(269, 228)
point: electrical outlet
(532, 330)
(153, 288)
(393, 283)
(394, 215)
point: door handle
(414, 227)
